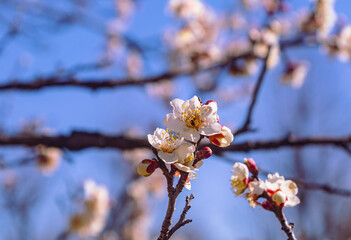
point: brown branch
(284, 142)
(172, 197)
(94, 84)
(286, 227)
(79, 140)
(182, 222)
(246, 125)
(323, 187)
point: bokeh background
(117, 39)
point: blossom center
(193, 117)
(170, 142)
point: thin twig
(182, 222)
(246, 125)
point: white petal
(187, 185)
(209, 110)
(190, 134)
(159, 133)
(185, 150)
(173, 123)
(210, 129)
(168, 157)
(289, 187)
(183, 167)
(177, 105)
(194, 102)
(257, 187)
(292, 201)
(199, 164)
(241, 170)
(152, 141)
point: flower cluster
(96, 204)
(190, 121)
(195, 43)
(276, 190)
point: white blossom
(191, 118)
(283, 192)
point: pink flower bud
(251, 165)
(204, 153)
(147, 167)
(210, 101)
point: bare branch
(79, 140)
(323, 187)
(246, 125)
(182, 222)
(93, 84)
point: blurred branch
(94, 84)
(246, 125)
(11, 33)
(55, 81)
(79, 140)
(323, 187)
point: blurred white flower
(91, 220)
(188, 9)
(295, 74)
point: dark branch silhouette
(246, 125)
(79, 140)
(94, 84)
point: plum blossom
(191, 118)
(240, 178)
(170, 146)
(283, 192)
